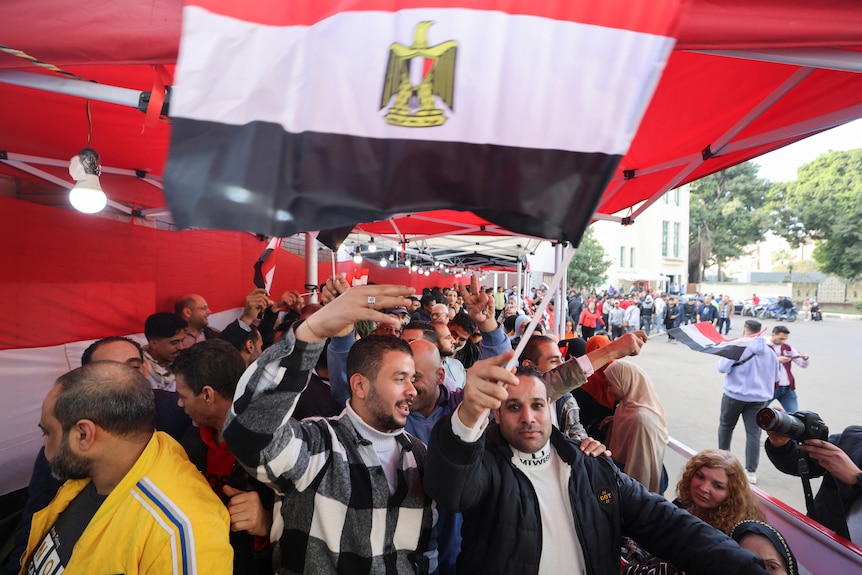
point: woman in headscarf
(594, 399)
(639, 434)
(765, 541)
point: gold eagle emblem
(414, 105)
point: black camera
(800, 426)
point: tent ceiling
(745, 78)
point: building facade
(652, 252)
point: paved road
(690, 389)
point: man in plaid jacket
(349, 488)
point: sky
(781, 165)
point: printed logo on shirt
(605, 497)
(46, 560)
(536, 459)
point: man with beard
(132, 502)
(534, 502)
(348, 488)
(42, 488)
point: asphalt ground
(690, 389)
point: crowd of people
(380, 432)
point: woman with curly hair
(713, 487)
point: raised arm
(258, 428)
(455, 476)
(573, 374)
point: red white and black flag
(320, 114)
(703, 337)
(264, 267)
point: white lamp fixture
(357, 256)
(383, 261)
(372, 247)
(87, 195)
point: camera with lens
(800, 426)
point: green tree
(727, 213)
(826, 203)
(589, 265)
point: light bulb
(87, 195)
(384, 262)
(357, 256)
(372, 247)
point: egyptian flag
(321, 114)
(703, 337)
(264, 267)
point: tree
(826, 203)
(589, 265)
(727, 214)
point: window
(676, 196)
(676, 240)
(664, 234)
(667, 197)
(622, 257)
(632, 258)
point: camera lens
(780, 422)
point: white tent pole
(518, 288)
(311, 264)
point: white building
(652, 252)
(764, 256)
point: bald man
(433, 402)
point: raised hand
(483, 391)
(350, 306)
(480, 306)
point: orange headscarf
(597, 384)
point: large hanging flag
(320, 114)
(264, 267)
(704, 338)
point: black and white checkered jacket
(334, 512)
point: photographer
(838, 504)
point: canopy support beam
(718, 145)
(81, 89)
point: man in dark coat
(838, 504)
(534, 501)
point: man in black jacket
(838, 504)
(207, 375)
(534, 502)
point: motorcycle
(816, 314)
(771, 311)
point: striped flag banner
(320, 114)
(704, 337)
(264, 267)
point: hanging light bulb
(427, 273)
(357, 256)
(372, 247)
(414, 267)
(392, 256)
(87, 195)
(407, 261)
(383, 261)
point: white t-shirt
(561, 549)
